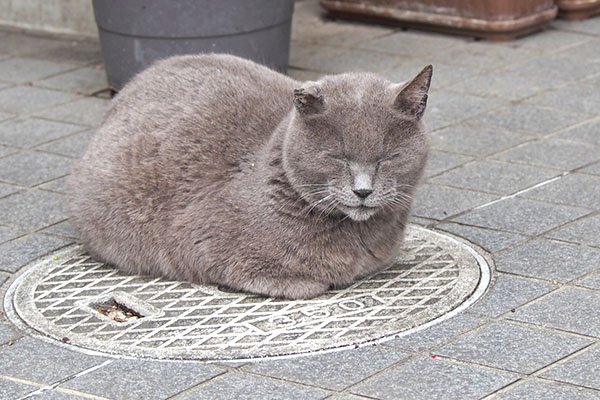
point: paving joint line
(61, 381)
(534, 379)
(501, 198)
(543, 236)
(564, 360)
(203, 383)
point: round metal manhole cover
(73, 299)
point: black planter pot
(135, 33)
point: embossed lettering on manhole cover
(71, 298)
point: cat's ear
(412, 95)
(309, 99)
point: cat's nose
(362, 193)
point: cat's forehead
(354, 87)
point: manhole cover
(71, 298)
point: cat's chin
(359, 213)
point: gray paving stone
(421, 221)
(346, 397)
(314, 29)
(10, 389)
(529, 119)
(7, 333)
(303, 75)
(403, 43)
(62, 229)
(509, 292)
(57, 185)
(38, 361)
(6, 190)
(521, 216)
(27, 99)
(569, 309)
(482, 55)
(592, 281)
(62, 394)
(512, 347)
(9, 234)
(503, 85)
(76, 51)
(16, 253)
(489, 240)
(85, 80)
(4, 151)
(300, 54)
(3, 278)
(593, 169)
(587, 51)
(444, 75)
(440, 202)
(549, 260)
(558, 67)
(434, 124)
(426, 339)
(334, 371)
(573, 189)
(33, 209)
(248, 387)
(87, 111)
(121, 379)
(72, 50)
(584, 369)
(30, 132)
(474, 141)
(588, 133)
(350, 34)
(349, 60)
(541, 389)
(18, 44)
(439, 162)
(22, 69)
(586, 26)
(552, 153)
(494, 177)
(427, 378)
(5, 116)
(579, 98)
(551, 40)
(582, 231)
(450, 106)
(72, 146)
(32, 168)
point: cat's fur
(213, 169)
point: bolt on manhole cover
(73, 299)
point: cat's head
(355, 144)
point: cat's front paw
(286, 288)
(302, 289)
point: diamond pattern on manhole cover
(70, 296)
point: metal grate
(175, 320)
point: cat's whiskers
(303, 197)
(401, 200)
(343, 219)
(329, 208)
(317, 203)
(313, 185)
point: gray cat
(213, 169)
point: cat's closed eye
(391, 157)
(337, 156)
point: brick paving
(515, 168)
